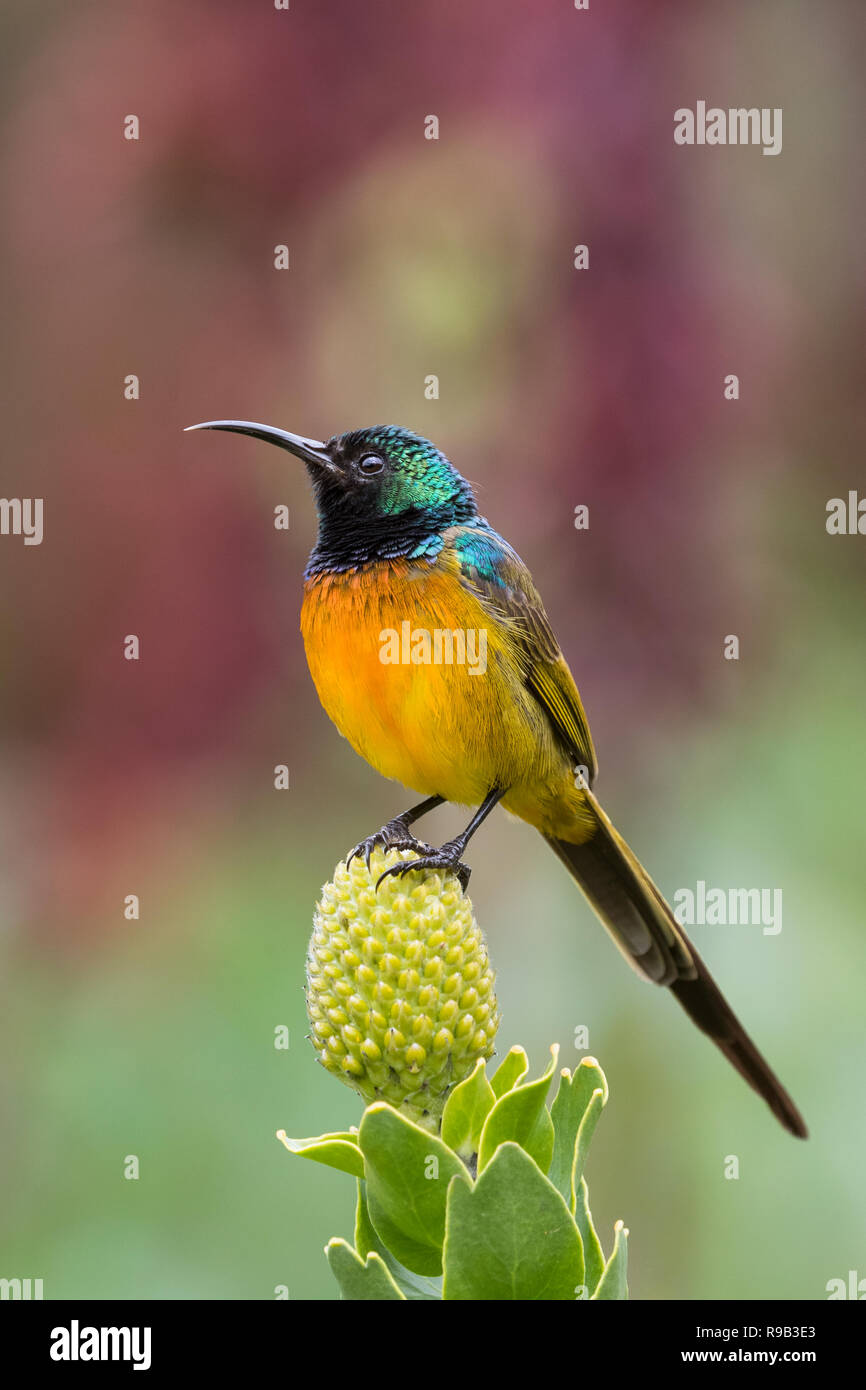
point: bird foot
(447, 858)
(395, 835)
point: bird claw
(395, 835)
(447, 859)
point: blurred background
(604, 387)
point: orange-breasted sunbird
(405, 571)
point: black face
(391, 471)
(359, 474)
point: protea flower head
(399, 985)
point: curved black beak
(310, 450)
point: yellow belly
(415, 710)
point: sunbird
(402, 550)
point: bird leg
(447, 857)
(396, 834)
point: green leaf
(465, 1111)
(335, 1150)
(585, 1133)
(359, 1279)
(522, 1116)
(510, 1236)
(567, 1111)
(366, 1238)
(511, 1070)
(413, 1286)
(613, 1283)
(408, 1171)
(592, 1252)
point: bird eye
(370, 464)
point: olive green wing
(495, 573)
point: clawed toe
(395, 835)
(445, 859)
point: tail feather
(645, 930)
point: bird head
(383, 489)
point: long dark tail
(655, 945)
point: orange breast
(445, 717)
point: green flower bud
(399, 985)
